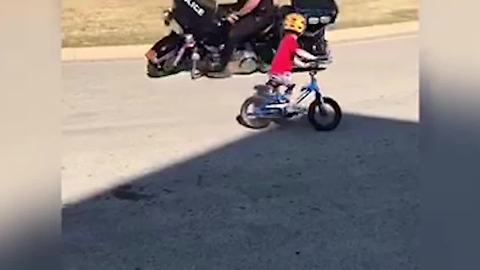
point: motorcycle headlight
(313, 20)
(325, 19)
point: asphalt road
(157, 174)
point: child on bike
(287, 55)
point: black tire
(313, 111)
(154, 72)
(165, 67)
(253, 123)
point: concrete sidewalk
(335, 36)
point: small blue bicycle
(259, 110)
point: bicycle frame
(313, 87)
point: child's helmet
(295, 22)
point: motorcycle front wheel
(326, 116)
(166, 49)
(248, 115)
(155, 72)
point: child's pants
(277, 80)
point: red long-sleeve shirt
(283, 62)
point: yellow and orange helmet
(295, 22)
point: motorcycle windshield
(315, 4)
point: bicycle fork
(321, 103)
(318, 98)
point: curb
(334, 36)
(373, 32)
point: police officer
(250, 19)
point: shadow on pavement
(287, 198)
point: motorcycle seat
(267, 29)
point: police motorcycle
(199, 30)
(319, 14)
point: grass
(123, 22)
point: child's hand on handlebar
(313, 63)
